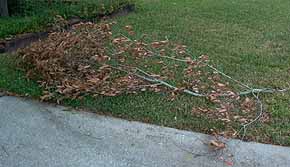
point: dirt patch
(21, 41)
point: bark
(3, 8)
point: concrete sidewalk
(41, 135)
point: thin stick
(264, 90)
(227, 76)
(171, 86)
(144, 86)
(137, 75)
(261, 110)
(155, 80)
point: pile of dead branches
(90, 60)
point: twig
(155, 80)
(144, 86)
(227, 76)
(171, 86)
(137, 75)
(261, 110)
(264, 90)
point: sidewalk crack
(4, 151)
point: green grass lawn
(249, 40)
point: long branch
(247, 92)
(149, 78)
(253, 91)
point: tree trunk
(3, 8)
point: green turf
(250, 40)
(13, 79)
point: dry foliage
(73, 63)
(90, 60)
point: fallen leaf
(217, 144)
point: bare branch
(260, 113)
(149, 78)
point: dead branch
(260, 113)
(247, 92)
(149, 78)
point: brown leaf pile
(74, 62)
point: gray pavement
(34, 134)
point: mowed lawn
(247, 39)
